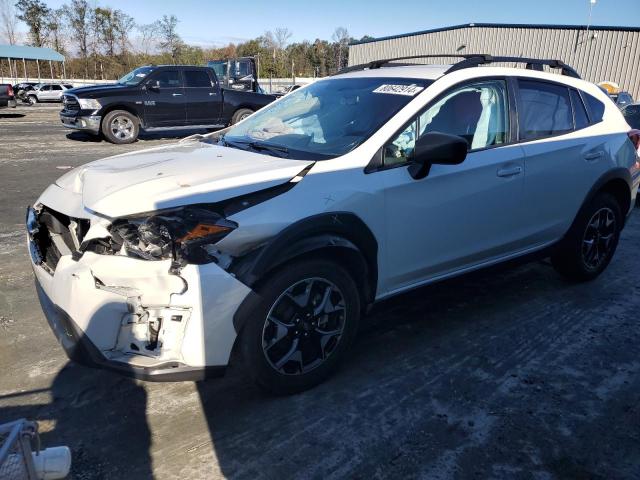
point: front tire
(301, 327)
(32, 99)
(120, 127)
(240, 115)
(592, 240)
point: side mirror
(437, 149)
(154, 85)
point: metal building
(598, 53)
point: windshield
(326, 119)
(136, 76)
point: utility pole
(591, 4)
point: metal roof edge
(30, 53)
(499, 25)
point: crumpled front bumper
(89, 123)
(134, 317)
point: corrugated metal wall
(601, 54)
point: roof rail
(470, 61)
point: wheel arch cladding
(620, 190)
(616, 182)
(341, 237)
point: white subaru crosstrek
(276, 234)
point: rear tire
(240, 115)
(589, 245)
(301, 327)
(120, 127)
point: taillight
(10, 90)
(634, 136)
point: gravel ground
(506, 373)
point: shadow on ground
(489, 375)
(80, 136)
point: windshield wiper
(270, 147)
(277, 150)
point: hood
(95, 89)
(175, 175)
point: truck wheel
(301, 327)
(240, 115)
(120, 127)
(589, 245)
(32, 99)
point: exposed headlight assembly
(89, 104)
(185, 235)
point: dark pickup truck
(158, 98)
(7, 99)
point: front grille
(70, 103)
(55, 236)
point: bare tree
(56, 29)
(282, 36)
(123, 25)
(105, 30)
(35, 14)
(341, 38)
(148, 40)
(8, 22)
(78, 14)
(170, 41)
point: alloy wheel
(304, 326)
(598, 239)
(122, 127)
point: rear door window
(544, 110)
(197, 79)
(168, 79)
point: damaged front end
(134, 295)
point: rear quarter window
(580, 115)
(596, 107)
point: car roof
(426, 72)
(434, 72)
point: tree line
(105, 43)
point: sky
(210, 24)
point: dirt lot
(509, 373)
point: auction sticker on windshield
(409, 90)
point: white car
(277, 233)
(47, 92)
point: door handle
(509, 171)
(593, 155)
(176, 94)
(211, 94)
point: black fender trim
(619, 173)
(616, 174)
(341, 230)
